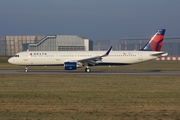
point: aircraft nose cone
(10, 60)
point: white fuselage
(59, 57)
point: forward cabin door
(25, 56)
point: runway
(95, 72)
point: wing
(92, 60)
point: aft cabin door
(140, 56)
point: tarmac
(95, 72)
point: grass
(89, 97)
(4, 59)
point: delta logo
(34, 54)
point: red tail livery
(155, 43)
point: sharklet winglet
(107, 53)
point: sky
(94, 19)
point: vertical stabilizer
(155, 43)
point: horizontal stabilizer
(163, 54)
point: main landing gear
(87, 70)
(26, 69)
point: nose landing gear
(26, 69)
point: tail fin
(155, 43)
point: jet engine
(70, 65)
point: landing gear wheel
(87, 70)
(26, 69)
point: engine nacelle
(70, 65)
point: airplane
(71, 60)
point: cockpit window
(16, 56)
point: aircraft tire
(87, 70)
